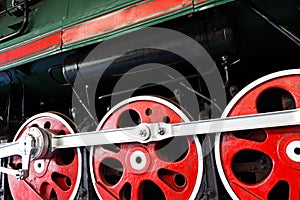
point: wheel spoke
(294, 189)
(30, 192)
(291, 181)
(267, 146)
(55, 177)
(172, 164)
(168, 192)
(106, 152)
(257, 164)
(135, 192)
(180, 167)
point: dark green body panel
(54, 15)
(83, 10)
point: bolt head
(143, 133)
(161, 131)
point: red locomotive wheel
(57, 177)
(264, 163)
(170, 169)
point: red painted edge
(130, 15)
(30, 48)
(127, 16)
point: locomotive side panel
(81, 66)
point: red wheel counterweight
(264, 163)
(170, 169)
(57, 177)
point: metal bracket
(23, 25)
(26, 147)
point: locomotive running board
(38, 143)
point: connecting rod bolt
(161, 131)
(143, 133)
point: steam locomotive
(152, 99)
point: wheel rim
(57, 177)
(146, 171)
(259, 163)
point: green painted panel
(9, 23)
(44, 16)
(41, 20)
(79, 10)
(48, 15)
